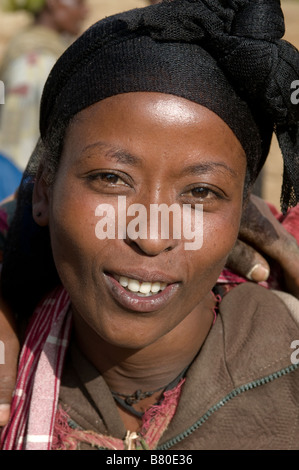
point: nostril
(136, 247)
(149, 247)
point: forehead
(159, 121)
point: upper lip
(145, 276)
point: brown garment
(244, 370)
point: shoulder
(259, 327)
(290, 302)
(251, 297)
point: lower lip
(133, 302)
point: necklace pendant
(137, 396)
(130, 440)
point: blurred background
(12, 23)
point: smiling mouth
(146, 294)
(140, 288)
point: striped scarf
(35, 398)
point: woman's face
(69, 15)
(149, 148)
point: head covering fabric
(224, 54)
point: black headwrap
(227, 55)
(224, 54)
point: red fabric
(290, 221)
(3, 221)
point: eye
(107, 178)
(111, 178)
(203, 193)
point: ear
(41, 199)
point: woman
(150, 107)
(29, 57)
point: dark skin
(243, 257)
(142, 351)
(260, 231)
(169, 151)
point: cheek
(76, 249)
(219, 235)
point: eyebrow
(125, 157)
(208, 167)
(111, 152)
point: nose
(155, 230)
(150, 247)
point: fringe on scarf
(155, 422)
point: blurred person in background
(29, 57)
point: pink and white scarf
(35, 398)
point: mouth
(140, 295)
(140, 288)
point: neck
(156, 365)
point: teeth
(155, 287)
(124, 281)
(143, 288)
(133, 285)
